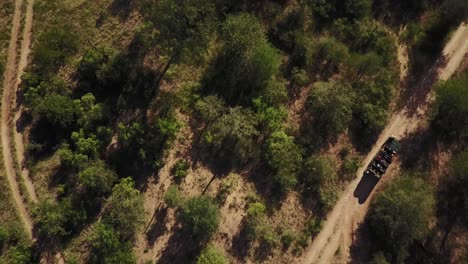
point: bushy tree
(88, 145)
(372, 119)
(284, 157)
(89, 112)
(210, 108)
(401, 214)
(124, 209)
(366, 65)
(57, 109)
(232, 135)
(201, 216)
(184, 28)
(211, 255)
(97, 178)
(319, 170)
(50, 218)
(270, 118)
(247, 61)
(56, 219)
(109, 247)
(330, 54)
(257, 227)
(450, 117)
(331, 104)
(358, 9)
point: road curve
(9, 81)
(348, 213)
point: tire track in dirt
(9, 82)
(344, 219)
(17, 135)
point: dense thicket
(400, 215)
(450, 117)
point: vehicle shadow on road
(365, 187)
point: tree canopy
(401, 214)
(450, 116)
(331, 104)
(285, 158)
(201, 216)
(124, 208)
(247, 61)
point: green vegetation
(260, 96)
(172, 196)
(211, 255)
(201, 216)
(247, 61)
(451, 110)
(180, 169)
(284, 156)
(332, 101)
(185, 28)
(401, 214)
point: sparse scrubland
(205, 131)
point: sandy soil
(342, 222)
(8, 95)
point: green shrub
(109, 247)
(349, 167)
(172, 196)
(313, 226)
(97, 178)
(285, 158)
(180, 169)
(451, 110)
(299, 77)
(331, 104)
(287, 238)
(401, 213)
(201, 216)
(124, 209)
(328, 195)
(247, 60)
(211, 255)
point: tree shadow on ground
(240, 244)
(362, 247)
(158, 228)
(418, 149)
(181, 248)
(121, 8)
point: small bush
(287, 238)
(313, 226)
(211, 255)
(349, 167)
(328, 195)
(180, 169)
(172, 196)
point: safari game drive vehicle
(384, 158)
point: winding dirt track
(344, 219)
(9, 82)
(18, 137)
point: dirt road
(10, 78)
(18, 137)
(344, 219)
